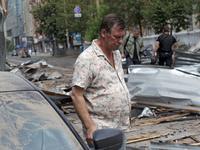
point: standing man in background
(130, 48)
(84, 46)
(100, 95)
(164, 45)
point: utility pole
(97, 2)
(67, 33)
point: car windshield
(28, 122)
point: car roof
(12, 82)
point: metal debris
(174, 136)
(171, 146)
(163, 86)
(147, 113)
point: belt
(165, 52)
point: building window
(9, 33)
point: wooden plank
(130, 131)
(195, 139)
(162, 119)
(181, 137)
(146, 138)
(197, 144)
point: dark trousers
(165, 57)
(130, 61)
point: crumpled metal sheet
(163, 86)
(17, 71)
(186, 58)
(179, 134)
(147, 113)
(171, 146)
(196, 47)
(193, 69)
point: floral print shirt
(106, 94)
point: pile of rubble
(55, 83)
(165, 101)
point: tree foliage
(173, 13)
(196, 7)
(9, 45)
(130, 10)
(50, 19)
(58, 15)
(79, 24)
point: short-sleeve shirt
(166, 42)
(106, 94)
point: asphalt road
(62, 62)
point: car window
(29, 122)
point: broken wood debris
(161, 120)
(142, 138)
(171, 140)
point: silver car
(31, 121)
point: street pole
(67, 34)
(97, 3)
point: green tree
(9, 45)
(169, 12)
(94, 22)
(50, 19)
(58, 15)
(196, 6)
(130, 10)
(78, 24)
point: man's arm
(174, 45)
(156, 48)
(82, 111)
(121, 48)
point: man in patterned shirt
(99, 92)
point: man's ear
(103, 33)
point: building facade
(14, 22)
(40, 42)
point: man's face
(115, 38)
(136, 34)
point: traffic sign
(77, 15)
(77, 9)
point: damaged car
(30, 120)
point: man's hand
(90, 134)
(82, 111)
(153, 55)
(123, 56)
(173, 57)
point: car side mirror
(111, 139)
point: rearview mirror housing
(111, 139)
